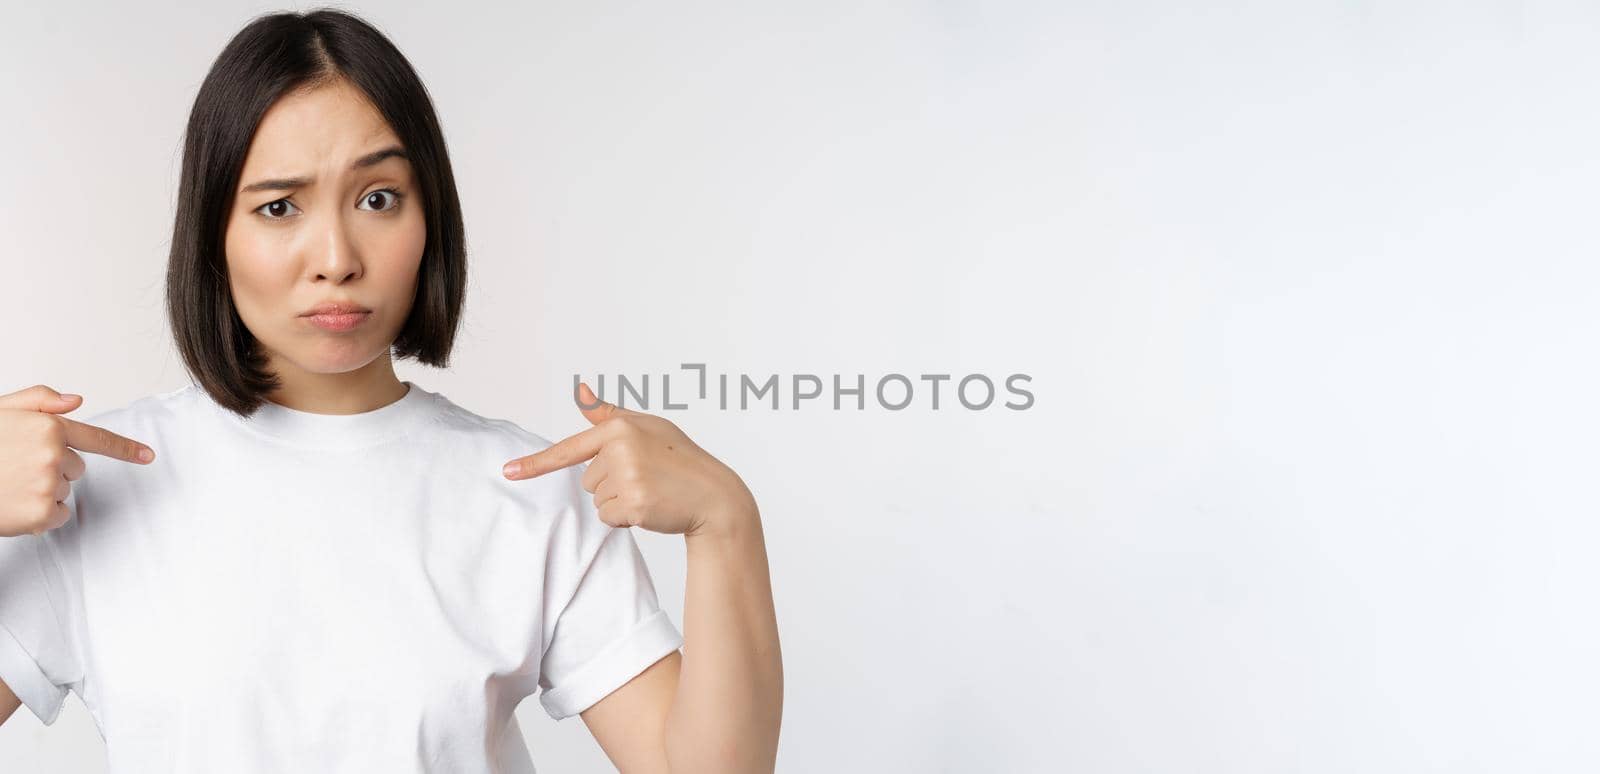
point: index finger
(569, 451)
(98, 440)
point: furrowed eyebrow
(286, 183)
(377, 156)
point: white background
(1307, 292)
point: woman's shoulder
(154, 411)
(488, 428)
(490, 442)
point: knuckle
(44, 479)
(45, 484)
(50, 459)
(42, 515)
(51, 429)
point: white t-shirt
(323, 593)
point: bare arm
(8, 702)
(716, 705)
(726, 712)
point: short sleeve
(612, 627)
(37, 660)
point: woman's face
(326, 211)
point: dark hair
(273, 55)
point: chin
(335, 357)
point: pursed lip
(335, 307)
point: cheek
(251, 258)
(413, 237)
(396, 251)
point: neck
(369, 387)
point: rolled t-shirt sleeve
(37, 659)
(611, 627)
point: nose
(334, 255)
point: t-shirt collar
(342, 431)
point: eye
(276, 210)
(378, 198)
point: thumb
(41, 398)
(65, 402)
(592, 408)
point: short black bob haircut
(273, 55)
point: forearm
(729, 701)
(8, 702)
